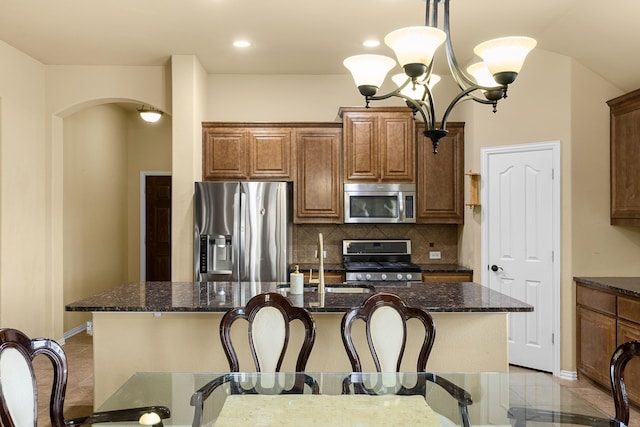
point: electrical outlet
(434, 255)
(315, 254)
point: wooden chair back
(619, 360)
(385, 317)
(19, 391)
(269, 316)
(18, 388)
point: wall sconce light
(149, 114)
(474, 189)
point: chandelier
(485, 82)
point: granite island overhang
(173, 326)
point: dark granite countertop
(426, 268)
(221, 296)
(623, 285)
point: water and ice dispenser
(215, 254)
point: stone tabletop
(222, 296)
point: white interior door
(520, 235)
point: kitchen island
(173, 326)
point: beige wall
(25, 282)
(95, 204)
(553, 99)
(105, 148)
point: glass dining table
(498, 399)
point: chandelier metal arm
(465, 95)
(415, 104)
(463, 81)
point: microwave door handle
(401, 206)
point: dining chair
(269, 317)
(622, 355)
(19, 391)
(385, 317)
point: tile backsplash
(424, 238)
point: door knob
(495, 268)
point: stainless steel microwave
(379, 203)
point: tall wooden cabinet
(318, 185)
(440, 190)
(625, 158)
(379, 144)
(246, 151)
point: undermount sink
(348, 289)
(335, 288)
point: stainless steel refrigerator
(242, 231)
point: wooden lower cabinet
(596, 343)
(333, 277)
(604, 320)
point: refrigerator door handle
(239, 203)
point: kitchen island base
(126, 342)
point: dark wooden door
(158, 229)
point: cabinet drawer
(629, 309)
(598, 300)
(447, 277)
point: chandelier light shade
(485, 82)
(483, 76)
(369, 71)
(504, 56)
(149, 114)
(415, 45)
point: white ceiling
(309, 37)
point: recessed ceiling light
(371, 43)
(241, 43)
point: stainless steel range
(379, 261)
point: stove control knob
(367, 277)
(359, 276)
(409, 276)
(399, 276)
(383, 276)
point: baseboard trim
(568, 375)
(76, 331)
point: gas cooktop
(379, 260)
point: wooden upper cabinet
(625, 158)
(440, 189)
(318, 185)
(246, 152)
(379, 144)
(270, 154)
(224, 153)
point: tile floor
(79, 400)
